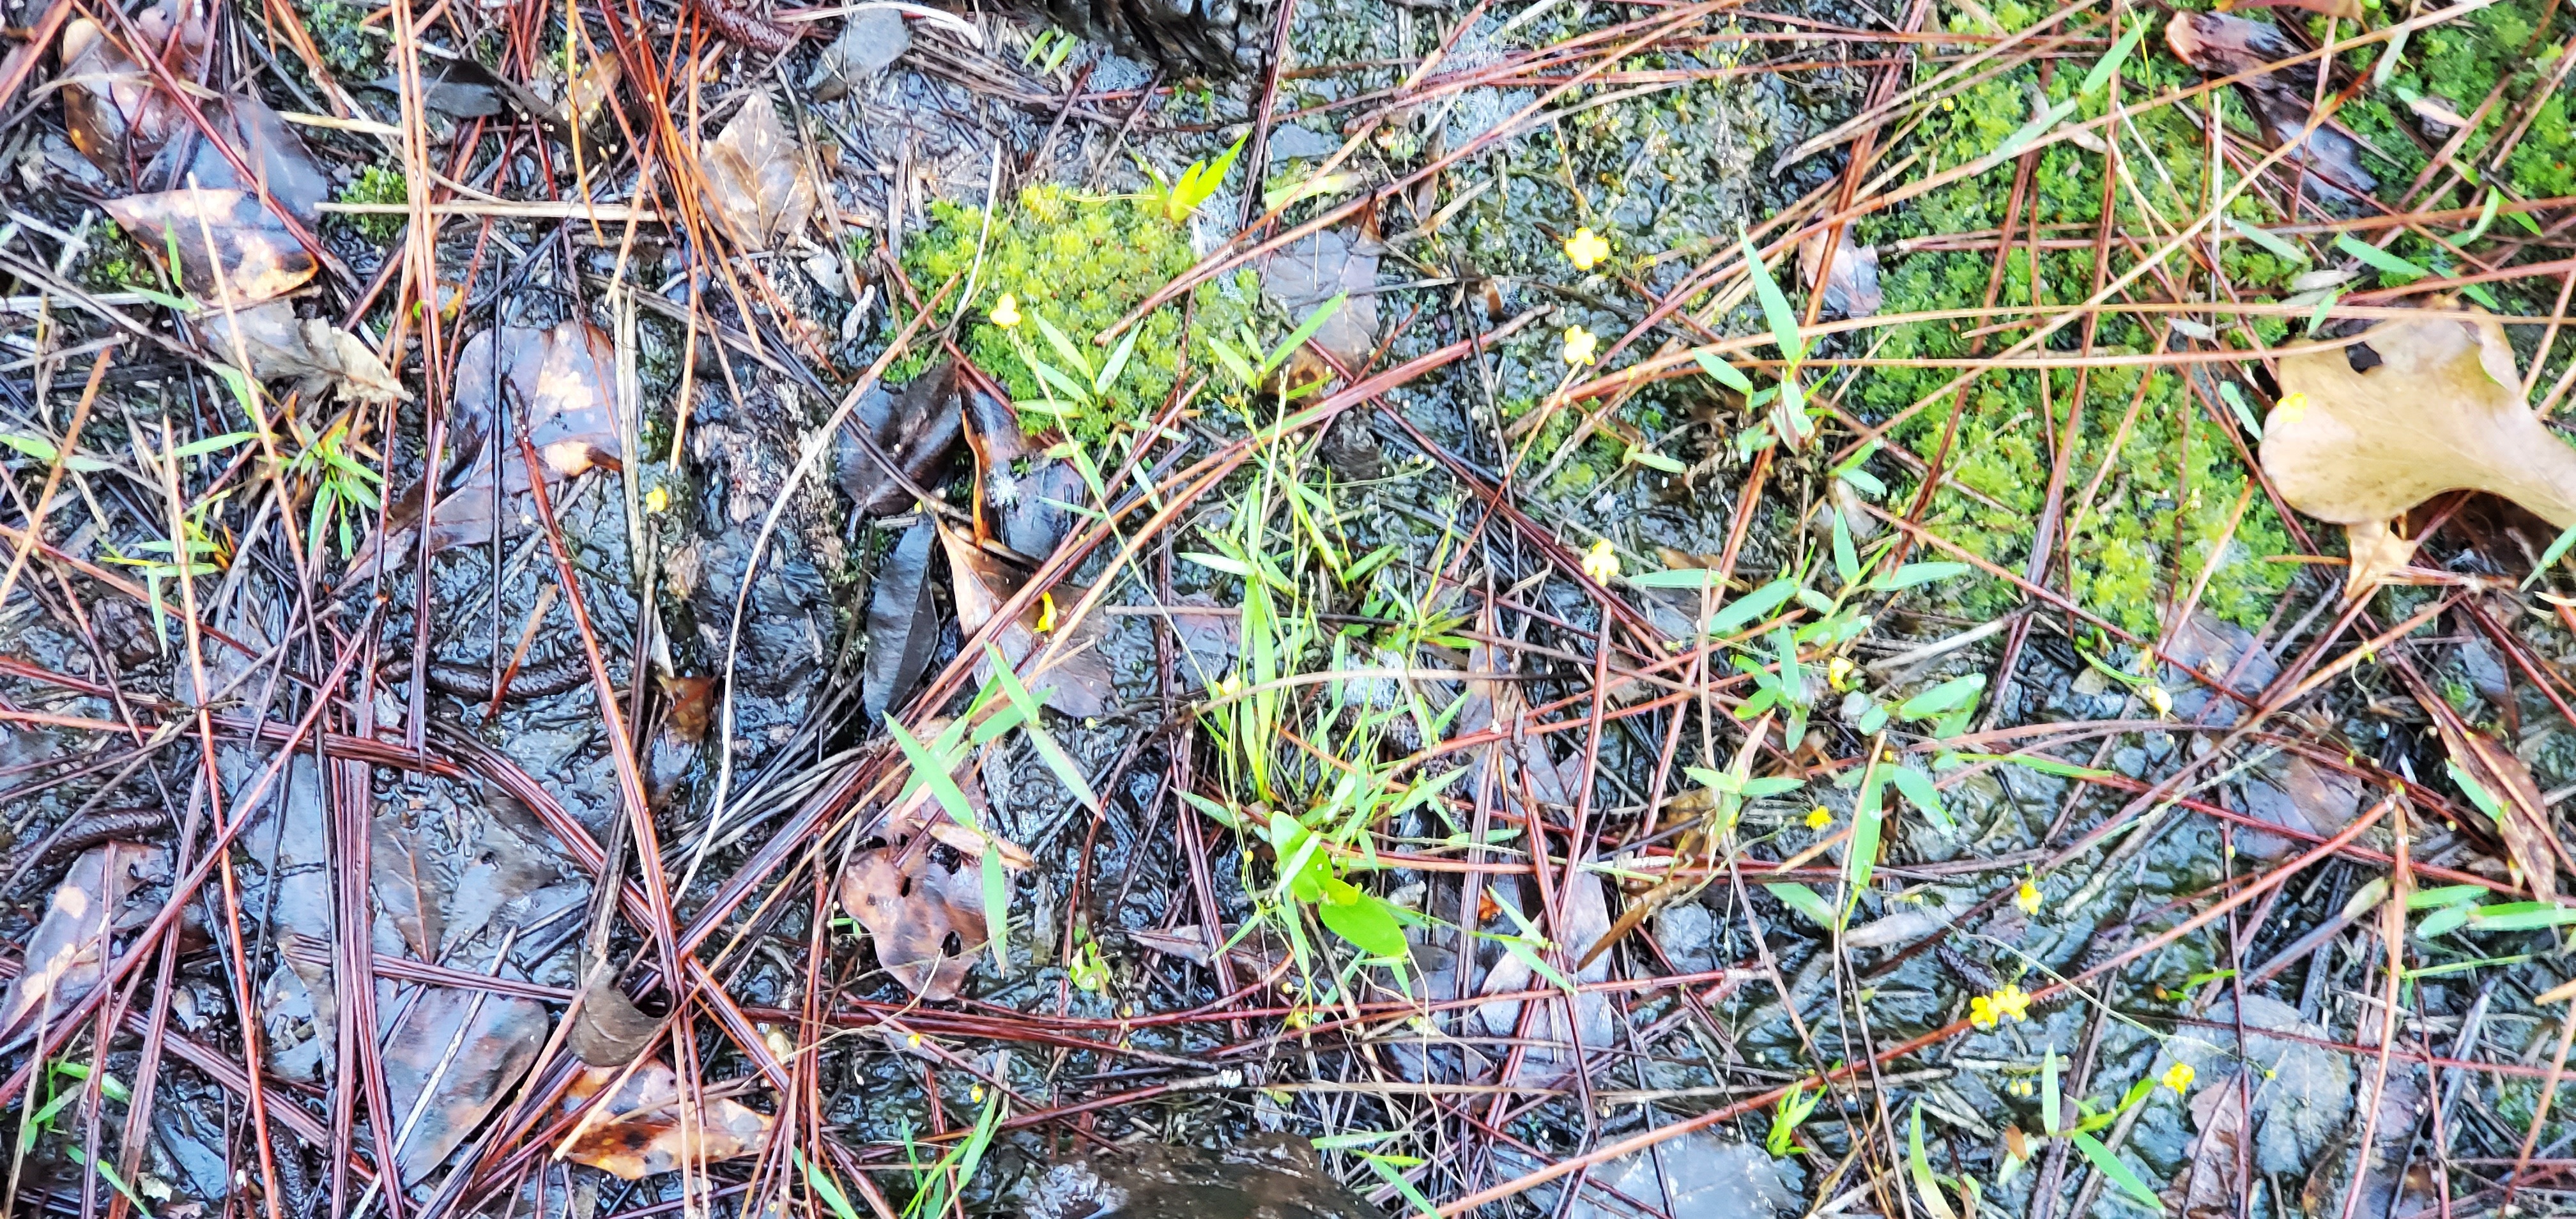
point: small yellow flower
(1585, 248)
(2178, 1078)
(1581, 347)
(1986, 1011)
(1046, 612)
(1838, 672)
(976, 1094)
(2027, 897)
(1819, 817)
(2289, 408)
(1229, 685)
(2158, 700)
(1006, 311)
(1601, 562)
(657, 500)
(912, 1040)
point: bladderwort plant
(344, 489)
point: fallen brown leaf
(231, 249)
(757, 180)
(68, 952)
(926, 918)
(2524, 827)
(461, 1050)
(609, 1030)
(313, 352)
(638, 1130)
(1077, 681)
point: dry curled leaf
(2413, 408)
(609, 1030)
(639, 1129)
(68, 952)
(757, 180)
(316, 354)
(925, 917)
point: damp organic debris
(1287, 608)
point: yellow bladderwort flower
(1819, 817)
(1601, 562)
(2178, 1078)
(2289, 408)
(1006, 311)
(1581, 347)
(1838, 672)
(1046, 612)
(1585, 248)
(1986, 1011)
(2027, 897)
(2158, 700)
(657, 500)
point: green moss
(339, 33)
(377, 184)
(112, 264)
(1080, 263)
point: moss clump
(2169, 487)
(1080, 263)
(377, 184)
(339, 33)
(113, 264)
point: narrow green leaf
(2442, 922)
(1918, 791)
(198, 448)
(2521, 916)
(2044, 765)
(2048, 1094)
(1724, 373)
(1305, 330)
(932, 771)
(1805, 901)
(997, 910)
(2120, 1173)
(2269, 240)
(1956, 692)
(2549, 558)
(1926, 1185)
(1846, 556)
(1064, 348)
(2476, 792)
(2446, 895)
(1922, 573)
(1775, 306)
(1861, 857)
(1234, 362)
(2486, 216)
(824, 1187)
(2100, 76)
(1116, 364)
(2378, 259)
(1752, 607)
(1067, 771)
(2235, 400)
(2039, 125)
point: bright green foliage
(1080, 263)
(339, 33)
(377, 184)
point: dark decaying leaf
(2302, 1091)
(925, 917)
(915, 429)
(505, 866)
(1851, 290)
(450, 1057)
(224, 237)
(246, 136)
(757, 179)
(2209, 1178)
(558, 384)
(2301, 795)
(68, 952)
(409, 884)
(639, 1129)
(1320, 267)
(1273, 1176)
(1077, 681)
(111, 104)
(459, 88)
(2521, 814)
(870, 41)
(902, 629)
(682, 730)
(279, 345)
(2220, 45)
(608, 1031)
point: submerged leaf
(902, 628)
(916, 429)
(68, 951)
(1077, 681)
(926, 918)
(451, 1056)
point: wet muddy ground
(1353, 609)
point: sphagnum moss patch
(1080, 262)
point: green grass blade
(1775, 306)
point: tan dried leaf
(608, 1031)
(638, 1130)
(231, 249)
(2416, 407)
(68, 952)
(926, 918)
(756, 176)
